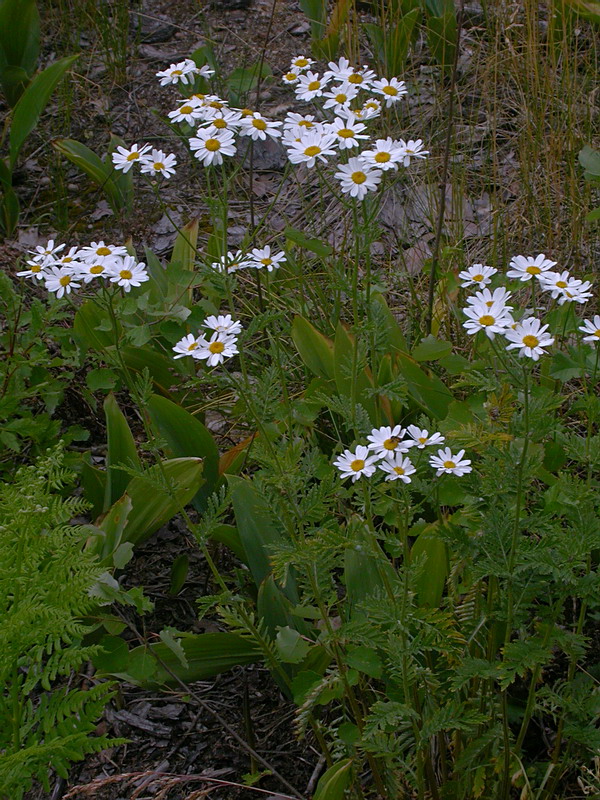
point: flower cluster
(223, 331)
(489, 311)
(349, 97)
(62, 272)
(387, 450)
(258, 258)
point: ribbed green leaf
(33, 101)
(19, 45)
(315, 349)
(121, 450)
(332, 784)
(431, 581)
(87, 161)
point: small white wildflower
(530, 337)
(526, 267)
(159, 163)
(353, 465)
(412, 149)
(576, 292)
(61, 280)
(338, 99)
(124, 159)
(491, 319)
(391, 90)
(310, 147)
(257, 127)
(385, 154)
(356, 178)
(186, 346)
(264, 258)
(310, 86)
(477, 275)
(387, 441)
(398, 467)
(592, 330)
(348, 132)
(128, 272)
(223, 324)
(45, 254)
(420, 438)
(450, 464)
(301, 62)
(498, 297)
(35, 270)
(209, 146)
(232, 262)
(190, 111)
(184, 72)
(217, 349)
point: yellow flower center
(266, 261)
(65, 280)
(391, 90)
(36, 268)
(341, 98)
(177, 72)
(186, 109)
(357, 464)
(97, 269)
(133, 156)
(422, 439)
(398, 470)
(487, 319)
(305, 123)
(489, 303)
(103, 251)
(291, 76)
(355, 78)
(260, 124)
(219, 122)
(562, 284)
(66, 260)
(530, 340)
(346, 133)
(158, 165)
(215, 104)
(216, 347)
(313, 150)
(382, 158)
(314, 85)
(212, 145)
(390, 444)
(449, 464)
(126, 274)
(372, 104)
(246, 112)
(358, 177)
(478, 277)
(597, 333)
(301, 62)
(533, 270)
(193, 346)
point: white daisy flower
(209, 146)
(592, 330)
(554, 282)
(310, 147)
(301, 62)
(450, 464)
(128, 272)
(69, 259)
(420, 438)
(215, 103)
(339, 70)
(223, 324)
(35, 270)
(576, 292)
(338, 99)
(398, 468)
(310, 86)
(190, 111)
(391, 90)
(530, 337)
(101, 253)
(184, 72)
(186, 346)
(371, 109)
(491, 319)
(222, 119)
(88, 270)
(46, 254)
(385, 154)
(124, 159)
(159, 163)
(386, 441)
(292, 120)
(412, 149)
(353, 465)
(477, 275)
(498, 297)
(232, 262)
(526, 267)
(61, 280)
(356, 178)
(348, 132)
(264, 258)
(257, 127)
(291, 78)
(362, 78)
(217, 349)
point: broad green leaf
(91, 327)
(186, 436)
(427, 390)
(366, 660)
(292, 648)
(110, 530)
(174, 645)
(121, 449)
(590, 161)
(160, 284)
(93, 482)
(431, 349)
(315, 349)
(87, 161)
(9, 210)
(207, 655)
(343, 354)
(19, 45)
(137, 359)
(243, 79)
(589, 9)
(430, 583)
(228, 535)
(365, 565)
(275, 609)
(179, 573)
(333, 783)
(564, 367)
(314, 245)
(593, 216)
(316, 13)
(32, 102)
(258, 531)
(101, 378)
(185, 252)
(442, 35)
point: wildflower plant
(417, 525)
